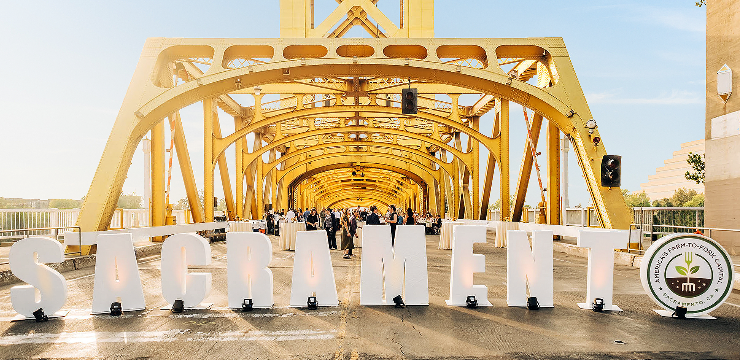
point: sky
(66, 65)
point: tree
(697, 163)
(696, 201)
(129, 201)
(639, 199)
(681, 198)
(64, 203)
(701, 3)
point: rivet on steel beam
(570, 113)
(138, 114)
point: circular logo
(688, 270)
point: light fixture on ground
(115, 309)
(178, 306)
(40, 316)
(312, 303)
(680, 312)
(598, 305)
(247, 305)
(532, 303)
(398, 300)
(471, 302)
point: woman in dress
(410, 220)
(347, 244)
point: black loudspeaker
(115, 309)
(409, 101)
(178, 306)
(611, 171)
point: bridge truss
(336, 137)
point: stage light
(115, 309)
(40, 316)
(598, 305)
(178, 306)
(471, 302)
(312, 303)
(247, 305)
(532, 303)
(398, 300)
(680, 312)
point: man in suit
(373, 218)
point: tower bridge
(337, 135)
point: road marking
(729, 303)
(88, 337)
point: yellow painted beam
(553, 175)
(525, 171)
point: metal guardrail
(53, 232)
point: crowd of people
(345, 222)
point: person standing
(312, 220)
(353, 230)
(373, 218)
(290, 216)
(393, 221)
(328, 225)
(410, 217)
(346, 238)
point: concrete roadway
(351, 331)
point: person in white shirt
(290, 216)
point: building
(722, 126)
(671, 176)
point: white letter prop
(313, 274)
(51, 285)
(178, 252)
(601, 246)
(247, 256)
(465, 263)
(529, 267)
(116, 275)
(403, 266)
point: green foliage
(129, 201)
(696, 201)
(701, 3)
(639, 199)
(682, 198)
(697, 163)
(65, 203)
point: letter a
(525, 267)
(313, 274)
(247, 256)
(51, 285)
(116, 275)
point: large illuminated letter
(525, 267)
(601, 246)
(116, 275)
(51, 286)
(313, 274)
(465, 263)
(247, 256)
(179, 251)
(404, 266)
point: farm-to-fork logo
(687, 270)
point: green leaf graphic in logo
(694, 269)
(681, 270)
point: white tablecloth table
(240, 226)
(445, 237)
(288, 232)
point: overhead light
(178, 306)
(398, 300)
(238, 83)
(312, 303)
(680, 312)
(115, 309)
(532, 303)
(598, 305)
(591, 125)
(471, 302)
(247, 305)
(40, 316)
(257, 90)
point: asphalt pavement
(351, 331)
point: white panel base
(57, 315)
(590, 307)
(201, 306)
(666, 313)
(108, 312)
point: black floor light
(680, 312)
(312, 303)
(40, 316)
(115, 309)
(471, 302)
(532, 303)
(178, 306)
(598, 305)
(398, 300)
(247, 305)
